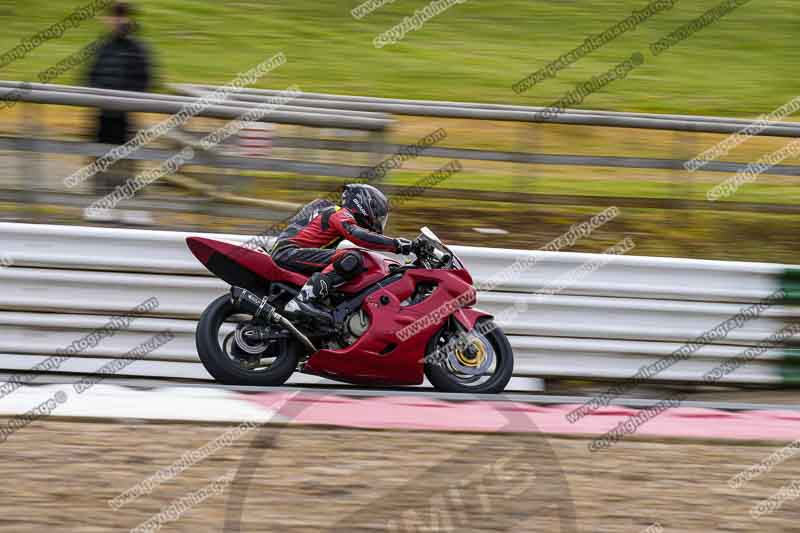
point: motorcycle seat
(220, 256)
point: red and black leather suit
(308, 244)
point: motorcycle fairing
(467, 317)
(380, 356)
(240, 266)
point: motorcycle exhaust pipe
(261, 308)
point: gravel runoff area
(64, 475)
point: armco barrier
(65, 281)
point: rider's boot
(308, 303)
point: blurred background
(432, 119)
(471, 52)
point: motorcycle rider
(308, 245)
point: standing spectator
(122, 63)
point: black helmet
(368, 205)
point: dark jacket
(121, 63)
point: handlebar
(425, 251)
(420, 244)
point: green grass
(660, 187)
(743, 64)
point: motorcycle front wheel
(262, 363)
(479, 361)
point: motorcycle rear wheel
(444, 377)
(224, 367)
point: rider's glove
(403, 246)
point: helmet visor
(382, 221)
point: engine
(355, 326)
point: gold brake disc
(473, 354)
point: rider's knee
(349, 264)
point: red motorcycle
(394, 323)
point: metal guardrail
(224, 102)
(132, 101)
(532, 114)
(201, 159)
(527, 158)
(370, 115)
(66, 280)
(476, 111)
(354, 171)
(351, 99)
(36, 184)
